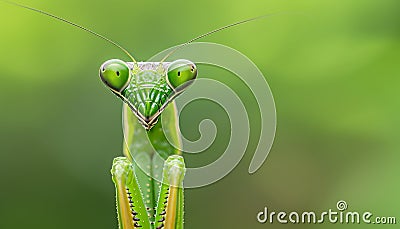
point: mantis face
(147, 87)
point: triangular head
(147, 87)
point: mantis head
(147, 87)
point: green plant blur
(332, 66)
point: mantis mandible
(149, 177)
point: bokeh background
(333, 67)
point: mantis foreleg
(130, 207)
(169, 214)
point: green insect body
(149, 179)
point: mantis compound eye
(181, 74)
(115, 74)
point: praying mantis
(149, 177)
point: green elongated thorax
(148, 150)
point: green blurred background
(333, 67)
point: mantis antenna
(73, 24)
(214, 31)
